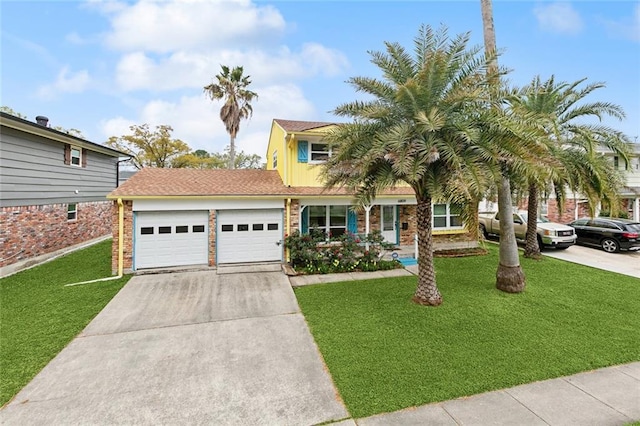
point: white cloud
(66, 82)
(559, 18)
(139, 71)
(627, 28)
(195, 119)
(189, 24)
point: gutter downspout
(120, 250)
(286, 250)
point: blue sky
(101, 66)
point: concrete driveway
(624, 262)
(187, 348)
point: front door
(388, 223)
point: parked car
(550, 234)
(612, 235)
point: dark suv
(611, 234)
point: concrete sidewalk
(608, 396)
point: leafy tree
(418, 129)
(10, 111)
(150, 148)
(201, 159)
(233, 86)
(573, 144)
(509, 276)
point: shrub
(313, 254)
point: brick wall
(212, 238)
(568, 212)
(30, 231)
(408, 216)
(295, 215)
(128, 236)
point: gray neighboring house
(52, 189)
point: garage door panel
(171, 239)
(249, 235)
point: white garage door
(173, 238)
(249, 235)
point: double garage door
(180, 238)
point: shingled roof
(153, 182)
(300, 126)
(200, 182)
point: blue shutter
(352, 221)
(304, 221)
(303, 151)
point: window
(274, 160)
(242, 228)
(258, 227)
(197, 228)
(164, 230)
(147, 230)
(272, 227)
(182, 229)
(328, 220)
(227, 228)
(72, 212)
(320, 152)
(446, 216)
(76, 156)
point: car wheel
(609, 245)
(483, 231)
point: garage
(249, 235)
(171, 238)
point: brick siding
(30, 231)
(128, 236)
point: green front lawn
(386, 353)
(39, 316)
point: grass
(386, 353)
(39, 316)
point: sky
(102, 66)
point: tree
(573, 144)
(419, 129)
(232, 86)
(150, 148)
(509, 276)
(201, 159)
(10, 111)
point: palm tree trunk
(232, 153)
(531, 248)
(509, 276)
(427, 292)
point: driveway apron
(192, 347)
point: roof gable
(301, 126)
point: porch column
(367, 210)
(636, 209)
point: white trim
(71, 156)
(178, 204)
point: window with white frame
(274, 159)
(320, 152)
(447, 216)
(330, 221)
(76, 156)
(72, 212)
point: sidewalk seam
(594, 397)
(522, 404)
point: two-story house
(179, 217)
(576, 206)
(52, 189)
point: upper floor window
(616, 163)
(274, 160)
(75, 156)
(320, 152)
(447, 216)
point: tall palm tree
(418, 129)
(233, 87)
(573, 144)
(509, 276)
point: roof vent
(42, 120)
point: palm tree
(509, 276)
(418, 129)
(573, 144)
(232, 86)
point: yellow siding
(304, 174)
(276, 143)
